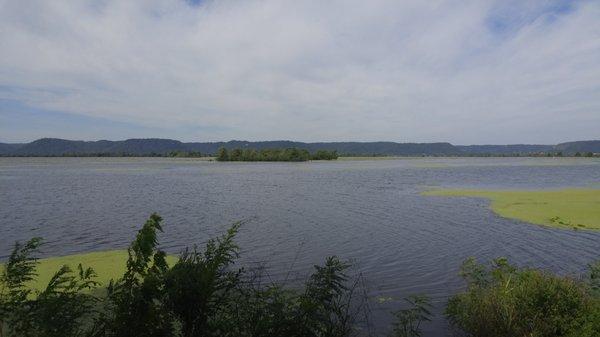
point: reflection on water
(370, 211)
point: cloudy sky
(467, 72)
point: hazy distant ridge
(506, 149)
(58, 147)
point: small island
(287, 154)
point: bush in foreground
(203, 294)
(59, 310)
(506, 301)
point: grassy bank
(565, 208)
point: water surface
(298, 213)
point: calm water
(299, 213)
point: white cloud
(311, 70)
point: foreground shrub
(135, 303)
(507, 301)
(200, 295)
(61, 309)
(199, 287)
(408, 321)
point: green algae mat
(107, 264)
(574, 208)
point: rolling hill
(154, 146)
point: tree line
(287, 154)
(206, 294)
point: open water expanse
(369, 211)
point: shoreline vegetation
(287, 154)
(572, 208)
(108, 264)
(205, 293)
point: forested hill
(141, 147)
(9, 148)
(344, 148)
(581, 146)
(569, 148)
(505, 149)
(138, 147)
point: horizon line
(296, 141)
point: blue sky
(468, 72)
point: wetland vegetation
(564, 208)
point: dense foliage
(59, 310)
(288, 154)
(508, 301)
(408, 321)
(205, 294)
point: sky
(465, 72)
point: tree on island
(222, 155)
(288, 154)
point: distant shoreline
(340, 158)
(54, 147)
